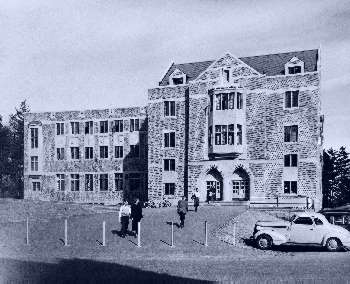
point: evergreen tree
(5, 153)
(342, 167)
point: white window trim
(93, 126)
(284, 154)
(177, 76)
(70, 182)
(163, 144)
(164, 189)
(294, 62)
(64, 153)
(298, 137)
(88, 159)
(290, 194)
(71, 128)
(114, 157)
(169, 171)
(284, 99)
(99, 152)
(169, 116)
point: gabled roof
(269, 65)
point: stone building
(247, 130)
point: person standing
(182, 208)
(195, 198)
(124, 215)
(136, 215)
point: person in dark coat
(182, 208)
(136, 215)
(195, 198)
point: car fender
(277, 238)
(332, 235)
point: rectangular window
(74, 127)
(169, 108)
(231, 134)
(239, 134)
(169, 139)
(104, 126)
(60, 153)
(74, 182)
(178, 81)
(34, 138)
(134, 125)
(118, 152)
(211, 102)
(89, 127)
(291, 160)
(291, 133)
(89, 182)
(294, 70)
(290, 187)
(231, 101)
(89, 153)
(169, 188)
(218, 102)
(117, 126)
(34, 163)
(61, 185)
(169, 165)
(134, 151)
(74, 153)
(220, 134)
(60, 128)
(118, 181)
(104, 152)
(210, 136)
(239, 101)
(224, 101)
(291, 99)
(226, 74)
(36, 186)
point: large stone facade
(246, 130)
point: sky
(85, 54)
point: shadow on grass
(119, 233)
(198, 242)
(164, 242)
(175, 224)
(84, 271)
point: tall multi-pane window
(60, 153)
(225, 101)
(169, 188)
(34, 138)
(61, 185)
(239, 101)
(290, 187)
(104, 126)
(117, 126)
(231, 134)
(74, 182)
(210, 136)
(134, 124)
(74, 153)
(74, 127)
(89, 182)
(239, 134)
(103, 152)
(291, 133)
(231, 100)
(118, 152)
(36, 186)
(169, 165)
(220, 134)
(169, 139)
(169, 108)
(118, 181)
(89, 127)
(103, 182)
(89, 153)
(291, 99)
(60, 128)
(211, 98)
(134, 151)
(34, 163)
(291, 160)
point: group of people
(133, 213)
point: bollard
(65, 232)
(104, 233)
(139, 234)
(206, 233)
(27, 237)
(234, 234)
(172, 234)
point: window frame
(60, 153)
(118, 181)
(36, 186)
(74, 182)
(34, 137)
(88, 153)
(88, 182)
(89, 125)
(118, 126)
(34, 163)
(168, 138)
(75, 127)
(74, 153)
(169, 165)
(289, 99)
(103, 181)
(288, 131)
(134, 125)
(169, 108)
(169, 188)
(289, 187)
(103, 152)
(119, 151)
(61, 182)
(103, 126)
(289, 161)
(59, 128)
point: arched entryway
(214, 185)
(240, 184)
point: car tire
(333, 244)
(264, 242)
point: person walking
(182, 208)
(136, 215)
(124, 215)
(195, 198)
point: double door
(214, 189)
(240, 189)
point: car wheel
(333, 244)
(264, 242)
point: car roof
(309, 214)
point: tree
(5, 152)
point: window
(239, 101)
(169, 139)
(89, 127)
(169, 188)
(239, 134)
(303, 221)
(222, 101)
(60, 153)
(318, 222)
(61, 182)
(291, 99)
(36, 186)
(34, 163)
(231, 101)
(60, 128)
(211, 102)
(118, 152)
(74, 153)
(294, 70)
(178, 81)
(34, 138)
(169, 165)
(104, 152)
(104, 126)
(74, 182)
(210, 136)
(89, 153)
(117, 126)
(220, 134)
(89, 182)
(134, 151)
(134, 125)
(226, 74)
(290, 187)
(291, 160)
(169, 108)
(74, 127)
(291, 133)
(134, 181)
(118, 181)
(231, 134)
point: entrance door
(240, 188)
(214, 187)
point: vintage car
(339, 216)
(303, 228)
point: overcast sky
(73, 55)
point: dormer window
(294, 66)
(177, 78)
(294, 70)
(178, 81)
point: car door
(319, 231)
(302, 231)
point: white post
(139, 234)
(206, 233)
(172, 234)
(104, 233)
(27, 238)
(234, 233)
(65, 232)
